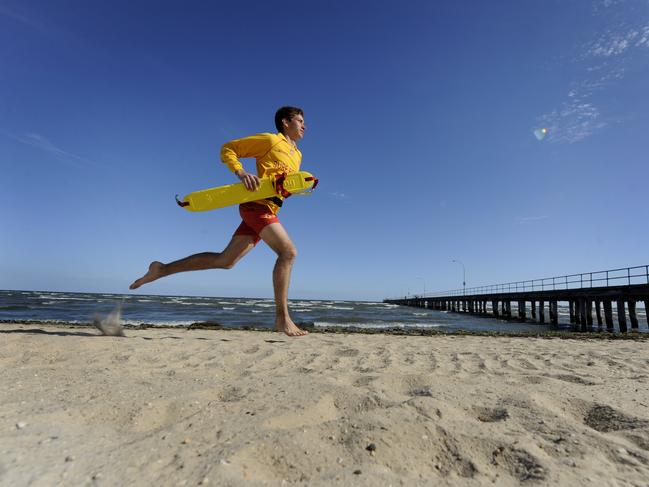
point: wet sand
(233, 407)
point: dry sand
(202, 407)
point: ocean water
(237, 312)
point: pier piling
(598, 312)
(580, 292)
(608, 314)
(621, 316)
(582, 314)
(571, 308)
(632, 315)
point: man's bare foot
(155, 272)
(287, 326)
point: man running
(275, 154)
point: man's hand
(250, 181)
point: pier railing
(612, 277)
(624, 287)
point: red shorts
(255, 217)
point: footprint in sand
(324, 410)
(604, 418)
(364, 380)
(347, 352)
(421, 392)
(573, 379)
(490, 415)
(519, 463)
(230, 394)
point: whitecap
(49, 296)
(160, 323)
(380, 326)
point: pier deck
(584, 293)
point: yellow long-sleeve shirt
(274, 153)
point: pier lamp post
(424, 281)
(463, 276)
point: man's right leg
(275, 236)
(239, 246)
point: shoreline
(232, 407)
(251, 314)
(565, 334)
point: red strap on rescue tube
(315, 181)
(279, 186)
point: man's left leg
(277, 239)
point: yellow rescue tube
(235, 194)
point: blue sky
(420, 121)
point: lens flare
(540, 133)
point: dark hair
(286, 112)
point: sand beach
(233, 407)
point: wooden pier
(581, 292)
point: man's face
(295, 127)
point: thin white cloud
(617, 42)
(602, 76)
(601, 5)
(643, 38)
(604, 60)
(615, 47)
(339, 196)
(609, 3)
(530, 219)
(574, 121)
(21, 17)
(42, 143)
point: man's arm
(250, 181)
(254, 146)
